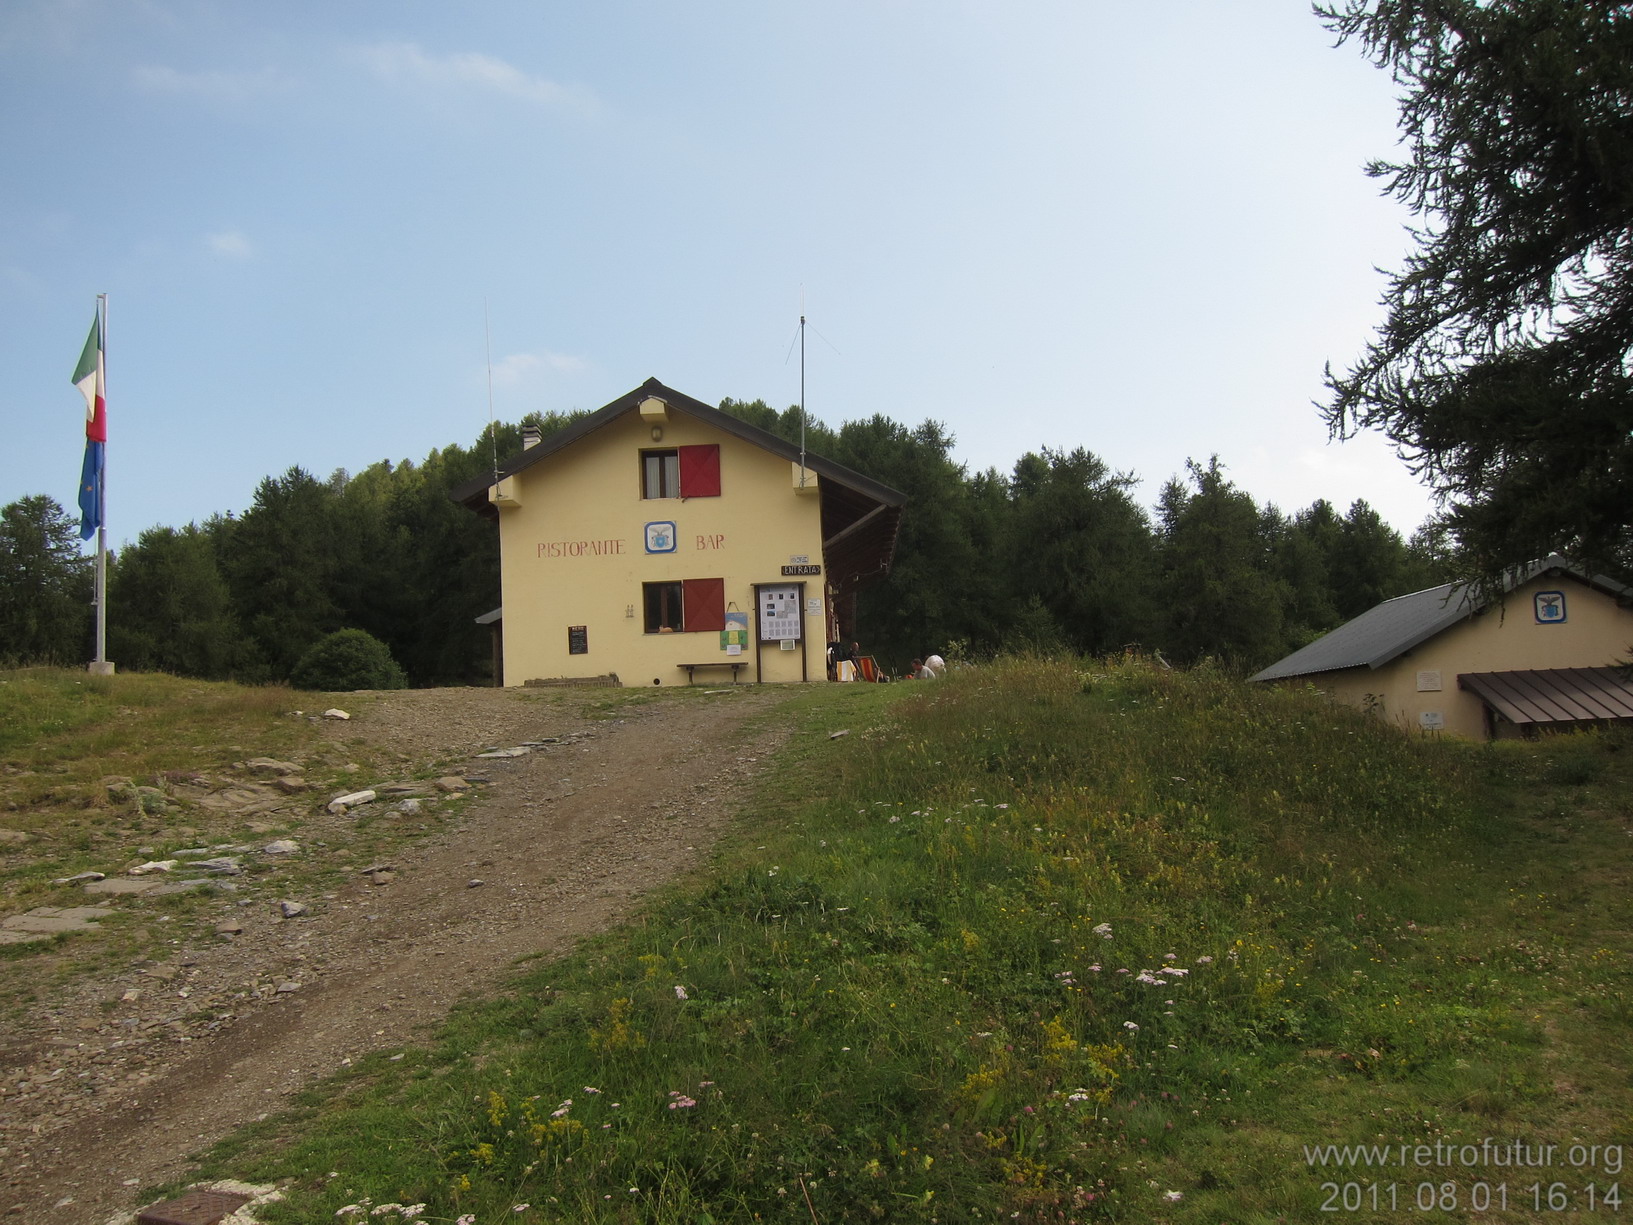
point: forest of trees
(1056, 555)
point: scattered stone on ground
(111, 1082)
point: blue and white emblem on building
(1550, 606)
(660, 537)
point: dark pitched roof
(1392, 628)
(860, 516)
(1554, 695)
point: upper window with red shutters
(681, 472)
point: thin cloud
(403, 61)
(229, 244)
(216, 85)
(516, 369)
(513, 370)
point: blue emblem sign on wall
(1550, 606)
(660, 537)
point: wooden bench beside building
(736, 664)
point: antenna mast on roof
(802, 400)
(493, 423)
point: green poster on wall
(736, 632)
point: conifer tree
(1503, 371)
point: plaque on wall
(1550, 607)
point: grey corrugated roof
(1554, 695)
(1396, 626)
(1377, 635)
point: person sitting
(842, 661)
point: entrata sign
(797, 570)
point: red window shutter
(700, 471)
(704, 600)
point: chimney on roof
(530, 436)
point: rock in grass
(152, 866)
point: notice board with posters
(781, 612)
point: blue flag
(90, 490)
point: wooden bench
(733, 664)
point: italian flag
(89, 377)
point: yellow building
(1543, 656)
(659, 540)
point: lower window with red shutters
(693, 605)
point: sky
(327, 230)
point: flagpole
(100, 663)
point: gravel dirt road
(122, 1078)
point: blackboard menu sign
(578, 640)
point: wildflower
(681, 1102)
(1204, 960)
(1176, 971)
(410, 1212)
(680, 992)
(591, 1089)
(521, 1207)
(350, 1210)
(466, 1218)
(1169, 957)
(1103, 930)
(562, 1109)
(1173, 1197)
(1148, 978)
(895, 817)
(1096, 969)
(704, 1084)
(1000, 805)
(1130, 1025)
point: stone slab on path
(117, 885)
(43, 922)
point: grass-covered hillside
(1055, 942)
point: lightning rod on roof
(802, 400)
(493, 422)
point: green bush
(348, 659)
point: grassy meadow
(1053, 942)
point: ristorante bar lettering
(580, 548)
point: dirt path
(562, 842)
